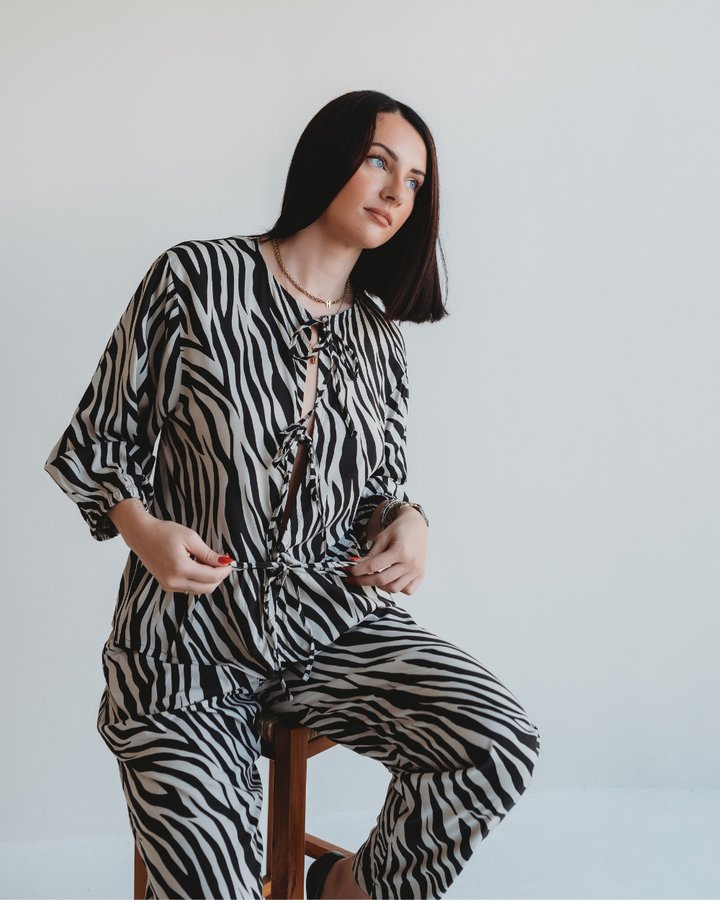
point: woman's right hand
(177, 556)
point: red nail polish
(225, 560)
(355, 558)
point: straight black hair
(403, 272)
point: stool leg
(140, 877)
(267, 879)
(288, 818)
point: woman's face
(379, 197)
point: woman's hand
(396, 562)
(166, 550)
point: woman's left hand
(396, 562)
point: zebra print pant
(459, 749)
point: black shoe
(317, 873)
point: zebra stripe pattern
(196, 409)
(459, 749)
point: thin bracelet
(391, 509)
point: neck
(318, 262)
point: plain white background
(563, 432)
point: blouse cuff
(95, 513)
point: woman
(245, 434)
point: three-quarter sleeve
(107, 452)
(387, 482)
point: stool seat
(267, 721)
(288, 746)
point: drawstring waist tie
(276, 573)
(344, 367)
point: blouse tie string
(342, 359)
(271, 590)
(342, 362)
(271, 599)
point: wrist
(395, 508)
(131, 519)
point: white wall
(564, 427)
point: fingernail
(355, 557)
(225, 560)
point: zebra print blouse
(195, 408)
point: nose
(395, 190)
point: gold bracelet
(391, 510)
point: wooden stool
(288, 747)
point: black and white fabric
(459, 749)
(196, 409)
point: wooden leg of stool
(288, 818)
(140, 877)
(267, 879)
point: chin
(357, 230)
(377, 238)
(372, 245)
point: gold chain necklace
(326, 303)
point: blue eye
(377, 161)
(412, 184)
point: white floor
(571, 844)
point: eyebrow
(393, 156)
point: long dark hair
(403, 272)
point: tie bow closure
(342, 355)
(341, 360)
(272, 600)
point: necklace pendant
(328, 304)
(313, 360)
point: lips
(382, 216)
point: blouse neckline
(299, 310)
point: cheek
(404, 214)
(355, 194)
(361, 191)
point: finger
(380, 579)
(399, 584)
(390, 557)
(204, 574)
(360, 578)
(405, 586)
(380, 556)
(195, 582)
(366, 564)
(203, 554)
